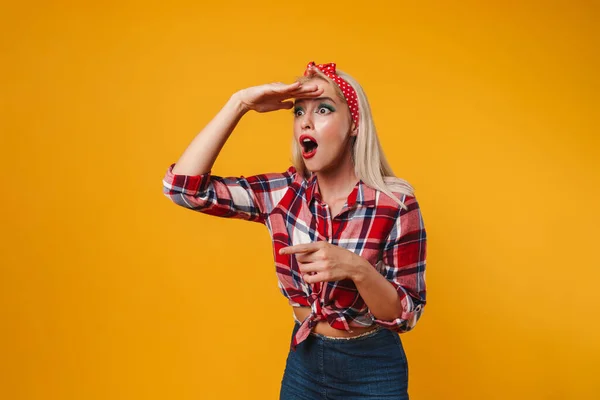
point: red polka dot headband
(347, 89)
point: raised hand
(273, 96)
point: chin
(316, 167)
(311, 166)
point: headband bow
(348, 91)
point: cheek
(331, 129)
(297, 124)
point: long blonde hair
(370, 164)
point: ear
(353, 130)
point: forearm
(199, 157)
(378, 293)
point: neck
(337, 183)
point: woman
(349, 242)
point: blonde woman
(349, 243)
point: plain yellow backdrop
(110, 291)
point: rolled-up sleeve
(249, 198)
(403, 265)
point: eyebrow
(318, 98)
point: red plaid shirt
(370, 224)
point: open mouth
(309, 146)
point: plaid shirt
(370, 224)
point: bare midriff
(325, 329)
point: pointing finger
(299, 248)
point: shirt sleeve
(249, 198)
(403, 265)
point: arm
(190, 183)
(202, 152)
(252, 198)
(396, 294)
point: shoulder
(293, 175)
(274, 180)
(291, 171)
(399, 195)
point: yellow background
(110, 291)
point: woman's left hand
(322, 261)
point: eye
(325, 109)
(298, 111)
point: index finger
(308, 89)
(300, 248)
(282, 88)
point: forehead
(329, 89)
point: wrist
(360, 270)
(237, 104)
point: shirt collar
(362, 194)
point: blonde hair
(370, 164)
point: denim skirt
(371, 366)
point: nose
(306, 122)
